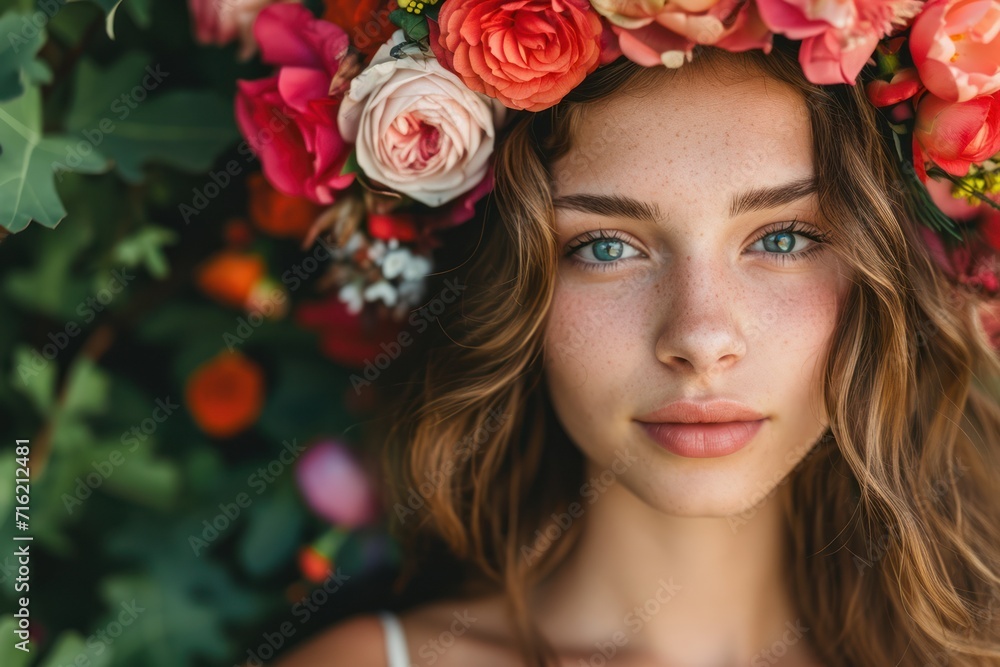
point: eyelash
(782, 258)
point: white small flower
(381, 290)
(351, 295)
(394, 263)
(417, 268)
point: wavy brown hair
(894, 517)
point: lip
(703, 429)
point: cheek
(593, 340)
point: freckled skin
(694, 307)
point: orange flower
(366, 21)
(225, 394)
(314, 566)
(231, 277)
(279, 214)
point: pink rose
(290, 119)
(955, 45)
(221, 21)
(418, 128)
(528, 54)
(956, 135)
(972, 263)
(839, 36)
(335, 486)
(661, 32)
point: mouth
(701, 440)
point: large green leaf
(184, 129)
(27, 187)
(17, 55)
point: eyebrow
(753, 199)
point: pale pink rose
(838, 36)
(955, 45)
(417, 127)
(335, 486)
(658, 32)
(221, 21)
(956, 135)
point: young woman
(706, 399)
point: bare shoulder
(355, 642)
(443, 633)
(459, 632)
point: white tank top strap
(395, 641)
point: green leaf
(274, 532)
(35, 377)
(183, 129)
(110, 7)
(146, 247)
(140, 11)
(351, 165)
(145, 480)
(9, 655)
(70, 646)
(27, 189)
(413, 25)
(86, 389)
(47, 285)
(17, 55)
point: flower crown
(389, 118)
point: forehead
(687, 136)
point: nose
(699, 330)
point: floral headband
(390, 124)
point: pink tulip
(955, 45)
(335, 486)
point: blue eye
(602, 248)
(781, 245)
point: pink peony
(528, 54)
(417, 128)
(955, 45)
(838, 36)
(290, 119)
(222, 21)
(658, 32)
(335, 486)
(956, 135)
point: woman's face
(684, 287)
